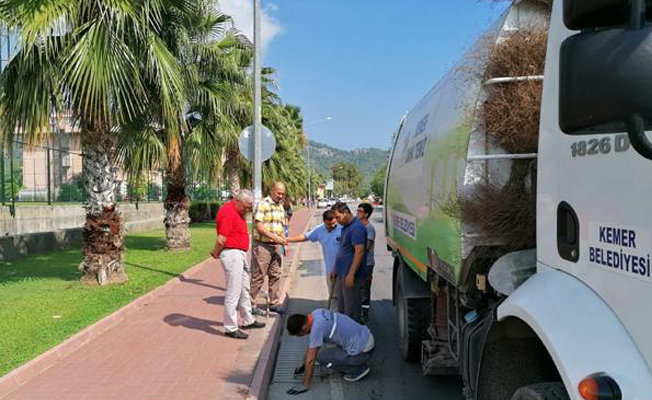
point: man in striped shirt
(269, 233)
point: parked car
(322, 203)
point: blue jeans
(339, 360)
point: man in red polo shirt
(231, 248)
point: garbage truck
(518, 208)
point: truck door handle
(568, 233)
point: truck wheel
(542, 391)
(412, 322)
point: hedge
(203, 211)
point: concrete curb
(19, 376)
(264, 367)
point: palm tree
(99, 61)
(206, 52)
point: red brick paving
(172, 348)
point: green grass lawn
(43, 303)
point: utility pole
(258, 153)
(309, 177)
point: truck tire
(542, 391)
(412, 321)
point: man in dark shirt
(350, 265)
(231, 248)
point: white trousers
(237, 289)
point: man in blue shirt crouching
(354, 345)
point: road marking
(335, 384)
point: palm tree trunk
(177, 219)
(103, 250)
(232, 170)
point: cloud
(242, 12)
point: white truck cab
(579, 326)
(590, 300)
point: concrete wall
(37, 230)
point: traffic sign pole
(257, 162)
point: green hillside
(323, 157)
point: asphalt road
(391, 378)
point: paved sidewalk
(170, 348)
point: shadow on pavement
(181, 277)
(218, 300)
(309, 268)
(151, 269)
(199, 282)
(193, 323)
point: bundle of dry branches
(511, 111)
(511, 115)
(521, 53)
(504, 214)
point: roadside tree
(348, 180)
(100, 61)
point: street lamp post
(309, 170)
(258, 153)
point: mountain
(323, 157)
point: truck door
(594, 213)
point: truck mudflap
(474, 336)
(580, 332)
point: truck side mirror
(590, 14)
(605, 82)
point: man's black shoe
(277, 309)
(236, 334)
(254, 325)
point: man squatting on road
(329, 235)
(231, 248)
(354, 345)
(269, 233)
(350, 264)
(364, 213)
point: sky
(364, 63)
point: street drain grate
(290, 355)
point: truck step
(436, 359)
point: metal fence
(52, 173)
